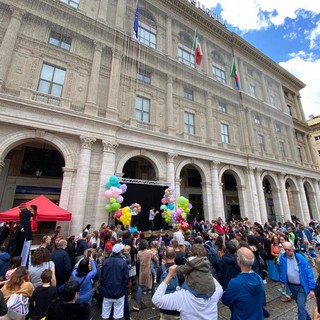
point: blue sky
(288, 31)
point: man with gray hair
(62, 264)
(245, 293)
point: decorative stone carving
(109, 146)
(171, 157)
(86, 142)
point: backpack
(174, 282)
(212, 255)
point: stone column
(261, 198)
(304, 203)
(254, 195)
(102, 11)
(283, 103)
(81, 185)
(307, 149)
(178, 186)
(303, 117)
(299, 111)
(114, 85)
(317, 197)
(121, 14)
(169, 36)
(207, 201)
(169, 111)
(209, 119)
(284, 197)
(91, 105)
(217, 202)
(170, 168)
(245, 210)
(8, 44)
(107, 170)
(2, 165)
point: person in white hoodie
(189, 306)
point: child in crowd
(155, 260)
(42, 297)
(198, 278)
(126, 253)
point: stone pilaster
(114, 87)
(170, 168)
(169, 111)
(8, 43)
(209, 119)
(102, 12)
(91, 105)
(169, 36)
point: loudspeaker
(134, 221)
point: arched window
(185, 53)
(147, 31)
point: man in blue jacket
(114, 283)
(304, 234)
(245, 293)
(296, 273)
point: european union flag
(136, 21)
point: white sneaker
(265, 281)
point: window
(189, 123)
(188, 94)
(253, 90)
(261, 143)
(300, 154)
(185, 56)
(282, 149)
(317, 138)
(289, 110)
(72, 3)
(144, 76)
(59, 40)
(273, 101)
(51, 80)
(222, 107)
(224, 133)
(257, 119)
(219, 73)
(278, 128)
(142, 109)
(147, 35)
(319, 153)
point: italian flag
(234, 74)
(197, 48)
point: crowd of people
(187, 274)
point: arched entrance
(311, 200)
(32, 168)
(139, 174)
(230, 196)
(191, 188)
(294, 200)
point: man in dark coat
(25, 228)
(114, 283)
(62, 264)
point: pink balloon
(108, 194)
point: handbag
(18, 306)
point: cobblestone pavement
(278, 310)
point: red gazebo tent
(47, 211)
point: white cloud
(305, 68)
(315, 36)
(259, 14)
(291, 35)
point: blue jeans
(300, 298)
(140, 291)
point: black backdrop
(147, 196)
